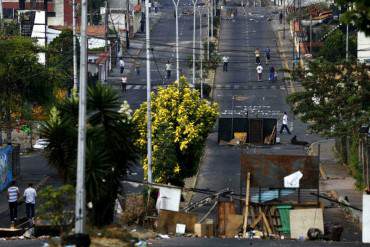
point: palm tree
(109, 147)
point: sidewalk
(137, 45)
(34, 169)
(335, 178)
(284, 43)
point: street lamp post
(80, 210)
(200, 52)
(176, 3)
(74, 17)
(148, 89)
(208, 22)
(194, 23)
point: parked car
(41, 144)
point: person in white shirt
(285, 124)
(30, 200)
(225, 59)
(168, 69)
(259, 72)
(13, 195)
(121, 65)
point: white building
(363, 48)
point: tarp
(6, 172)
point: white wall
(363, 47)
(58, 20)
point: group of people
(13, 196)
(272, 72)
(273, 75)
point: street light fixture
(176, 4)
(194, 23)
(200, 52)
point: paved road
(217, 242)
(163, 42)
(239, 39)
(34, 167)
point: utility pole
(176, 3)
(106, 26)
(1, 16)
(212, 15)
(201, 52)
(148, 91)
(311, 34)
(194, 23)
(74, 23)
(127, 22)
(80, 211)
(284, 14)
(347, 41)
(208, 25)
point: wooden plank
(233, 225)
(224, 210)
(266, 223)
(169, 219)
(246, 210)
(256, 221)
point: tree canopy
(335, 101)
(335, 44)
(358, 15)
(24, 82)
(60, 57)
(109, 146)
(181, 121)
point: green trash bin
(284, 218)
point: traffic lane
(220, 169)
(226, 242)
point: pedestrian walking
(257, 52)
(268, 56)
(225, 59)
(142, 23)
(124, 84)
(155, 7)
(259, 72)
(121, 65)
(137, 67)
(13, 195)
(168, 69)
(30, 200)
(272, 73)
(275, 75)
(285, 124)
(281, 17)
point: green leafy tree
(359, 14)
(56, 206)
(335, 101)
(23, 80)
(334, 46)
(109, 146)
(60, 57)
(181, 122)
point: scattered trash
(133, 230)
(180, 228)
(141, 244)
(163, 236)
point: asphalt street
(163, 45)
(189, 242)
(249, 30)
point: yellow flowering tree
(181, 121)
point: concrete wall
(363, 48)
